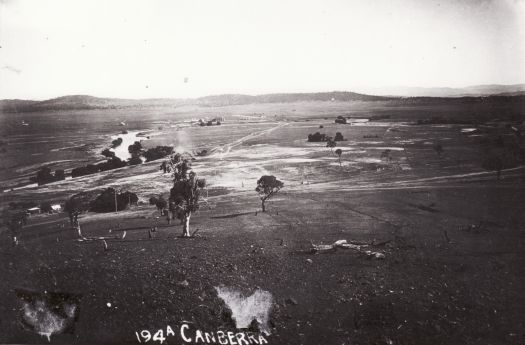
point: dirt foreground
(452, 273)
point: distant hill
(483, 90)
(469, 91)
(84, 102)
(516, 93)
(496, 99)
(12, 105)
(79, 102)
(341, 96)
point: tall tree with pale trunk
(186, 190)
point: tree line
(45, 175)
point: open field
(452, 234)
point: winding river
(129, 138)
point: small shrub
(45, 207)
(340, 119)
(339, 137)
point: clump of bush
(340, 119)
(45, 207)
(85, 170)
(44, 175)
(135, 160)
(160, 203)
(80, 202)
(339, 137)
(135, 149)
(317, 137)
(116, 142)
(211, 122)
(110, 164)
(114, 162)
(108, 153)
(105, 201)
(158, 153)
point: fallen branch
(343, 244)
(101, 238)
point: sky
(192, 48)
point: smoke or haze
(182, 143)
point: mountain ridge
(79, 102)
(467, 91)
(87, 102)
